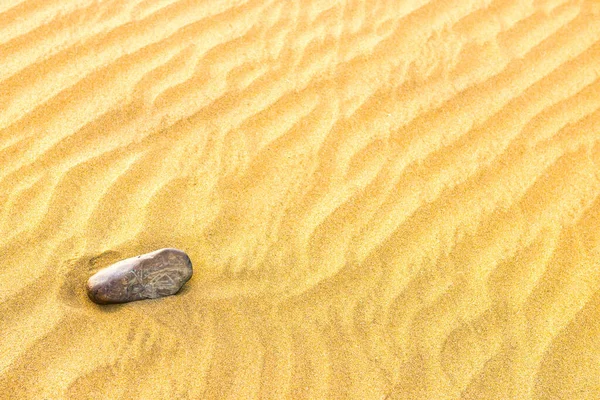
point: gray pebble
(160, 273)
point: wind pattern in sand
(381, 199)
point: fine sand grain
(381, 199)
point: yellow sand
(381, 199)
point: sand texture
(381, 199)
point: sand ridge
(382, 200)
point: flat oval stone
(160, 273)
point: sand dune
(382, 200)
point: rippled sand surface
(381, 199)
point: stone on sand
(160, 273)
